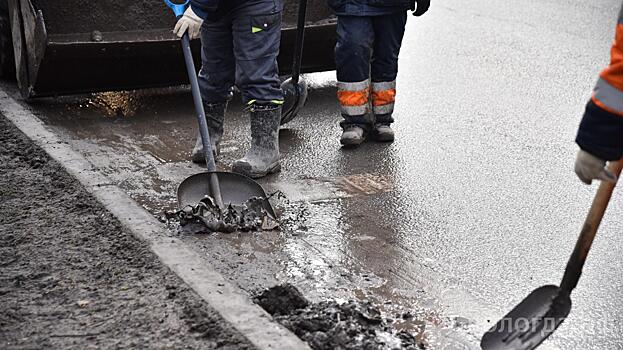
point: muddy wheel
(7, 62)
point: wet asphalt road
(472, 207)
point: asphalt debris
(282, 300)
(330, 325)
(250, 216)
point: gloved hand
(589, 168)
(191, 22)
(422, 7)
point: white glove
(189, 21)
(589, 168)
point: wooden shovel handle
(591, 225)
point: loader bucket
(76, 46)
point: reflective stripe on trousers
(354, 97)
(383, 97)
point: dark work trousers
(366, 56)
(240, 48)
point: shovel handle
(300, 38)
(178, 9)
(591, 225)
(215, 188)
(200, 111)
(201, 118)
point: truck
(64, 47)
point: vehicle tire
(7, 61)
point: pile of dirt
(330, 325)
(72, 278)
(282, 300)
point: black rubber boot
(263, 157)
(215, 116)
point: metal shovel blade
(295, 96)
(236, 189)
(530, 322)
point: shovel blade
(530, 322)
(295, 97)
(236, 189)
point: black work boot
(215, 115)
(263, 157)
(383, 132)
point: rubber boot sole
(383, 138)
(245, 169)
(351, 142)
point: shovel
(294, 89)
(222, 187)
(540, 314)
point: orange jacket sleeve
(601, 130)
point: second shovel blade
(530, 322)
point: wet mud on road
(72, 278)
(336, 325)
(328, 247)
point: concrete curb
(233, 304)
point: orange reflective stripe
(385, 97)
(353, 98)
(614, 73)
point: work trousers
(240, 48)
(366, 57)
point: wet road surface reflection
(472, 207)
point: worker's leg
(218, 69)
(257, 35)
(216, 80)
(389, 31)
(355, 37)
